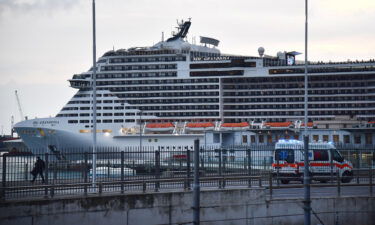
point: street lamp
(306, 177)
(93, 96)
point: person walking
(38, 169)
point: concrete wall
(219, 207)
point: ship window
(357, 139)
(107, 121)
(216, 138)
(261, 139)
(72, 121)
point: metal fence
(69, 171)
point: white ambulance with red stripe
(325, 161)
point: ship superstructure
(181, 90)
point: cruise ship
(175, 91)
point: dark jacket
(39, 166)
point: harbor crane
(19, 106)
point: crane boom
(19, 106)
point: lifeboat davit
(234, 126)
(199, 126)
(160, 127)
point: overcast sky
(44, 42)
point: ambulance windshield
(284, 155)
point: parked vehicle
(324, 161)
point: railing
(69, 171)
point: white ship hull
(42, 135)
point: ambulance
(324, 161)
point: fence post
(358, 166)
(122, 171)
(4, 174)
(157, 170)
(100, 188)
(270, 184)
(248, 152)
(52, 191)
(220, 166)
(331, 166)
(278, 171)
(202, 151)
(108, 169)
(54, 172)
(196, 188)
(85, 167)
(188, 169)
(26, 171)
(46, 175)
(338, 184)
(370, 173)
(144, 186)
(225, 158)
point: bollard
(338, 184)
(122, 171)
(157, 170)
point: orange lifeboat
(309, 124)
(234, 126)
(199, 126)
(279, 124)
(160, 126)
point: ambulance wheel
(285, 181)
(346, 177)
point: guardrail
(184, 183)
